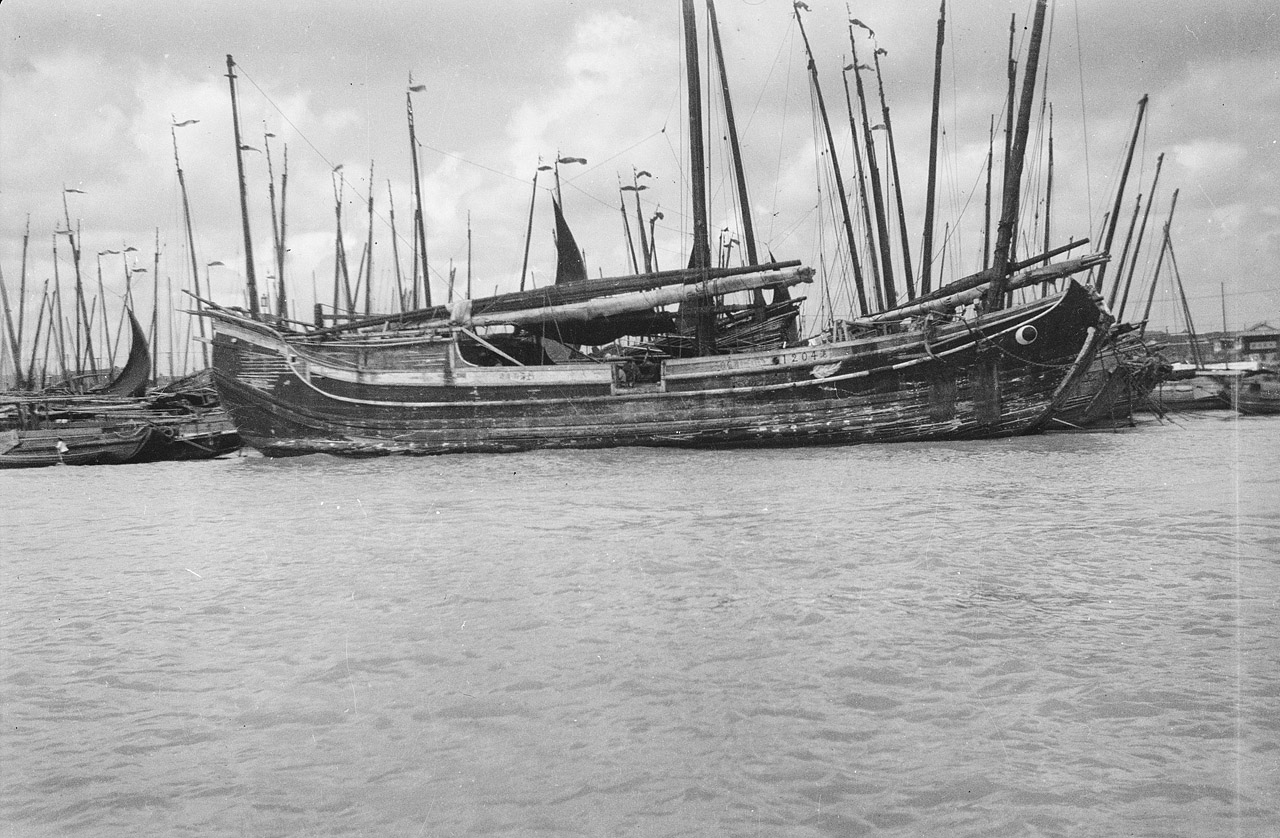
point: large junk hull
(997, 376)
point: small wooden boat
(76, 444)
(1196, 392)
(1257, 395)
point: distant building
(1258, 343)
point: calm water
(1059, 635)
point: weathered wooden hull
(204, 435)
(86, 446)
(997, 376)
(1118, 382)
(1189, 394)
(1257, 395)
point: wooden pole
(191, 249)
(986, 224)
(251, 277)
(421, 232)
(35, 338)
(926, 245)
(15, 349)
(1142, 229)
(1124, 177)
(368, 253)
(877, 193)
(1013, 172)
(858, 284)
(395, 250)
(1048, 189)
(740, 179)
(1164, 245)
(528, 232)
(282, 298)
(908, 274)
(1124, 252)
(864, 199)
(700, 259)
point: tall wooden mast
(835, 170)
(420, 230)
(1013, 168)
(877, 193)
(700, 259)
(1142, 229)
(1124, 177)
(250, 277)
(926, 245)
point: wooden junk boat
(507, 373)
(117, 423)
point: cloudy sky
(90, 88)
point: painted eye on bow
(1026, 335)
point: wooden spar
(1155, 277)
(468, 254)
(644, 240)
(1011, 72)
(275, 218)
(35, 338)
(701, 257)
(735, 150)
(985, 276)
(14, 349)
(282, 300)
(395, 249)
(1142, 229)
(864, 199)
(1048, 189)
(877, 194)
(82, 311)
(108, 348)
(1013, 172)
(1124, 251)
(251, 277)
(1124, 177)
(629, 302)
(555, 295)
(626, 229)
(700, 260)
(835, 171)
(368, 250)
(986, 224)
(191, 249)
(420, 232)
(61, 316)
(528, 233)
(1186, 309)
(908, 274)
(942, 304)
(154, 339)
(22, 281)
(926, 245)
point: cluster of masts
(876, 287)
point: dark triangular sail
(132, 380)
(569, 264)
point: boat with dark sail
(118, 422)
(546, 368)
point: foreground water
(1072, 634)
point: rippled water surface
(1059, 635)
